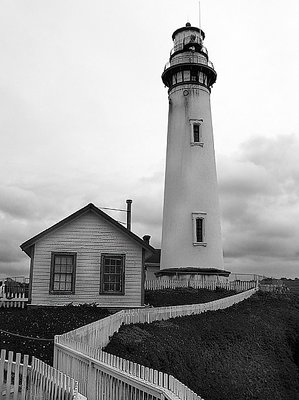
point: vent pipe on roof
(146, 238)
(129, 214)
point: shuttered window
(63, 273)
(112, 274)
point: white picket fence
(238, 286)
(102, 376)
(38, 381)
(17, 300)
(274, 288)
(108, 377)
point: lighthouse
(191, 232)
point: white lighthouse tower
(191, 235)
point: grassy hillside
(30, 324)
(42, 322)
(249, 351)
(180, 296)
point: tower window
(199, 230)
(196, 132)
(198, 220)
(186, 76)
(194, 76)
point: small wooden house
(87, 257)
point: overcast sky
(84, 119)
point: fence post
(91, 382)
(55, 355)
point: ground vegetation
(24, 330)
(248, 351)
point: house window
(63, 273)
(112, 274)
(198, 220)
(196, 132)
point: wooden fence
(108, 377)
(238, 286)
(274, 288)
(13, 300)
(79, 354)
(292, 285)
(38, 381)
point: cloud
(18, 202)
(260, 204)
(259, 198)
(28, 207)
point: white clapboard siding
(89, 236)
(101, 375)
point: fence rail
(38, 381)
(103, 376)
(238, 286)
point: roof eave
(90, 207)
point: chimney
(146, 238)
(129, 214)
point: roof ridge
(89, 207)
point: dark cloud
(27, 208)
(260, 204)
(258, 194)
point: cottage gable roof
(26, 246)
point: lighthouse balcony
(189, 59)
